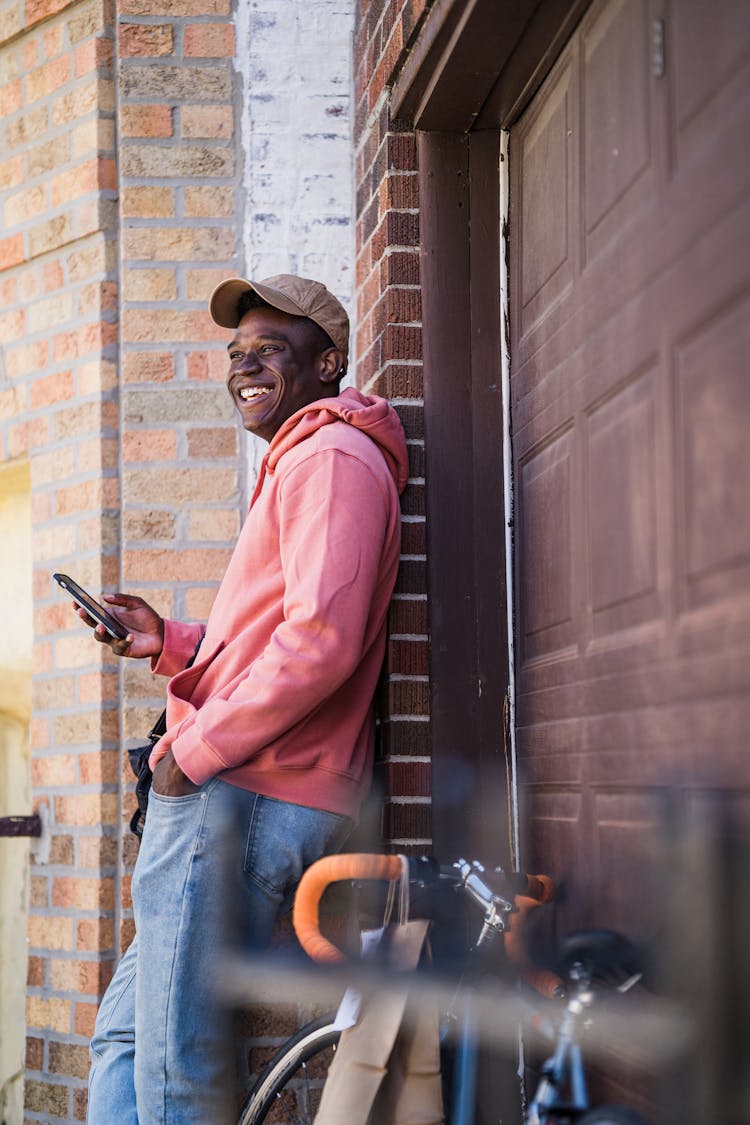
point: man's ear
(332, 365)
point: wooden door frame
(473, 68)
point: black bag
(139, 757)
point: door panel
(630, 400)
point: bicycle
(288, 1089)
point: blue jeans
(213, 869)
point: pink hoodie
(279, 700)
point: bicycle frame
(564, 1069)
(504, 902)
(465, 1067)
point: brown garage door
(630, 320)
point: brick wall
(118, 206)
(182, 482)
(389, 349)
(59, 411)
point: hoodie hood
(369, 413)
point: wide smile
(252, 394)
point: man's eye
(235, 355)
(268, 348)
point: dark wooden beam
(444, 197)
(454, 63)
(477, 63)
(461, 247)
(531, 60)
(486, 248)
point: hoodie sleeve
(180, 641)
(333, 517)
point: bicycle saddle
(604, 954)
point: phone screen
(92, 607)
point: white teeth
(253, 392)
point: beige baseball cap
(298, 296)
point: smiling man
(269, 743)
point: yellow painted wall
(15, 779)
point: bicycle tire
(612, 1115)
(280, 1076)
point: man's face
(274, 370)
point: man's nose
(249, 364)
(250, 361)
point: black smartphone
(98, 612)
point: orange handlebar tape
(333, 869)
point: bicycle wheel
(289, 1087)
(612, 1115)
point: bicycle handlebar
(541, 890)
(537, 889)
(333, 869)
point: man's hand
(169, 780)
(145, 626)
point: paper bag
(387, 1068)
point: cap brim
(225, 299)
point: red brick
(11, 171)
(408, 779)
(399, 267)
(408, 616)
(97, 687)
(201, 565)
(397, 380)
(48, 79)
(209, 40)
(211, 365)
(11, 251)
(8, 290)
(83, 893)
(53, 276)
(401, 342)
(99, 767)
(11, 98)
(146, 121)
(80, 1103)
(36, 972)
(36, 10)
(408, 658)
(404, 821)
(212, 442)
(162, 325)
(413, 535)
(53, 41)
(85, 1017)
(94, 54)
(150, 202)
(149, 445)
(34, 1048)
(148, 367)
(94, 175)
(50, 389)
(27, 436)
(406, 737)
(57, 770)
(30, 53)
(176, 8)
(94, 934)
(212, 121)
